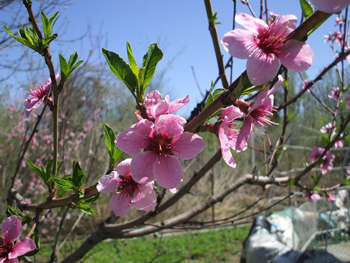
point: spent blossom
(10, 247)
(330, 6)
(265, 45)
(227, 133)
(157, 147)
(256, 114)
(126, 191)
(37, 95)
(330, 197)
(327, 159)
(155, 106)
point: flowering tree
(160, 142)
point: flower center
(127, 186)
(5, 247)
(271, 39)
(261, 113)
(160, 144)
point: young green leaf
(306, 8)
(114, 153)
(41, 172)
(66, 185)
(121, 69)
(78, 176)
(132, 61)
(150, 61)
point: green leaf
(59, 166)
(121, 69)
(78, 176)
(25, 41)
(86, 209)
(90, 201)
(66, 185)
(306, 8)
(150, 61)
(132, 61)
(64, 67)
(213, 96)
(39, 172)
(114, 153)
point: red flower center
(5, 247)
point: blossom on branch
(10, 249)
(265, 45)
(227, 133)
(330, 6)
(257, 114)
(155, 106)
(334, 93)
(37, 95)
(312, 196)
(126, 191)
(156, 148)
(327, 160)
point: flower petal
(231, 113)
(178, 104)
(251, 23)
(141, 167)
(330, 6)
(120, 203)
(22, 246)
(108, 183)
(168, 171)
(239, 43)
(123, 167)
(11, 228)
(136, 138)
(188, 146)
(149, 200)
(170, 124)
(296, 55)
(262, 67)
(284, 26)
(244, 134)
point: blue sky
(181, 29)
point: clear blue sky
(181, 29)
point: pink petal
(108, 183)
(227, 155)
(149, 200)
(170, 124)
(330, 6)
(262, 67)
(285, 24)
(22, 246)
(142, 166)
(161, 108)
(239, 43)
(120, 203)
(296, 55)
(178, 104)
(259, 100)
(244, 134)
(231, 113)
(277, 86)
(188, 146)
(135, 139)
(123, 167)
(251, 23)
(168, 171)
(6, 260)
(11, 228)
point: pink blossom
(330, 6)
(10, 249)
(334, 93)
(305, 84)
(156, 148)
(126, 191)
(330, 197)
(155, 106)
(312, 196)
(228, 133)
(37, 96)
(266, 45)
(257, 114)
(327, 160)
(339, 20)
(327, 129)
